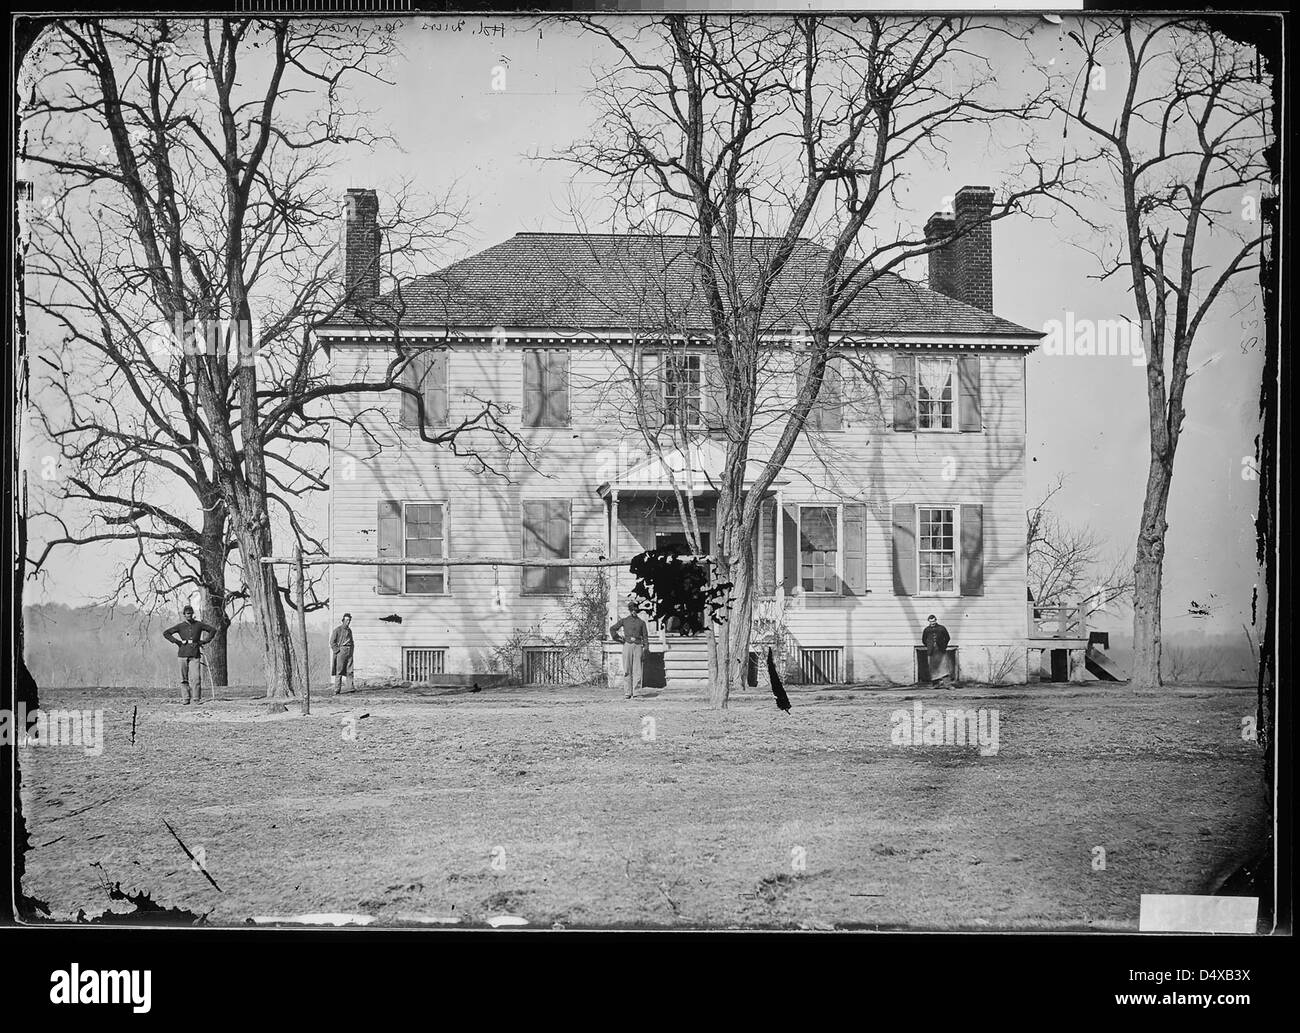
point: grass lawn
(557, 806)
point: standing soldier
(187, 637)
(341, 654)
(935, 640)
(633, 634)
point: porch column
(780, 548)
(615, 609)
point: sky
(1087, 414)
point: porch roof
(695, 470)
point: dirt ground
(568, 806)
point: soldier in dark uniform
(341, 654)
(935, 640)
(634, 636)
(187, 637)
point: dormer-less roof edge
(516, 335)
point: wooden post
(779, 588)
(613, 553)
(302, 630)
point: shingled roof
(602, 282)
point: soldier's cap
(930, 618)
(188, 609)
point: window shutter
(435, 389)
(445, 510)
(557, 538)
(765, 569)
(534, 408)
(413, 376)
(713, 396)
(801, 374)
(968, 387)
(972, 550)
(830, 400)
(904, 391)
(790, 529)
(546, 536)
(904, 550)
(650, 398)
(855, 549)
(390, 545)
(557, 388)
(534, 521)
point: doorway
(675, 543)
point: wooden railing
(767, 625)
(1064, 621)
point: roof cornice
(342, 336)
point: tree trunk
(1148, 574)
(212, 577)
(216, 652)
(729, 638)
(253, 534)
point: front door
(675, 543)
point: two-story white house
(905, 497)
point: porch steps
(1102, 666)
(686, 662)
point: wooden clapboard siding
(872, 463)
(865, 462)
(373, 460)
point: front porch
(649, 506)
(1059, 635)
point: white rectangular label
(1190, 913)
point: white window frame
(686, 356)
(568, 388)
(446, 538)
(839, 547)
(956, 549)
(956, 393)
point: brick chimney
(943, 261)
(361, 245)
(964, 269)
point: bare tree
(1186, 150)
(1068, 563)
(737, 129)
(197, 155)
(1189, 665)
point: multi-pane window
(424, 538)
(683, 389)
(546, 388)
(936, 393)
(546, 536)
(936, 556)
(818, 548)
